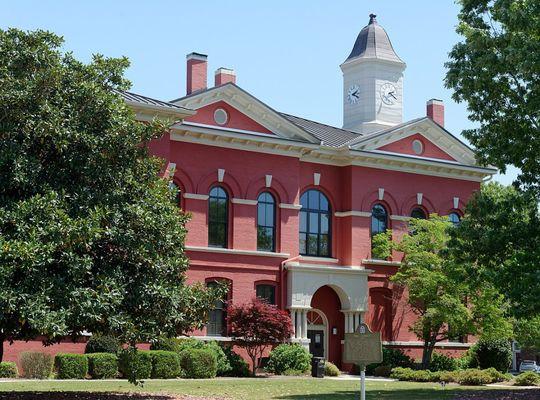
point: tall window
(379, 219)
(418, 213)
(218, 205)
(217, 317)
(315, 232)
(267, 292)
(266, 222)
(454, 218)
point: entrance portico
(311, 283)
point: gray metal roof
(329, 135)
(148, 101)
(373, 42)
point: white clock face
(353, 94)
(389, 94)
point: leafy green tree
(495, 69)
(90, 238)
(498, 242)
(444, 303)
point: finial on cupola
(372, 18)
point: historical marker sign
(363, 346)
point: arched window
(266, 222)
(379, 219)
(177, 193)
(315, 230)
(418, 213)
(218, 215)
(266, 292)
(454, 218)
(217, 317)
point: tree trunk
(2, 339)
(429, 345)
(254, 368)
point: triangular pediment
(437, 142)
(248, 114)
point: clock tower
(372, 82)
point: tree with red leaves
(256, 325)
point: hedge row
(8, 370)
(469, 377)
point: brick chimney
(435, 111)
(197, 66)
(223, 76)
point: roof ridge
(322, 123)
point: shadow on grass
(427, 394)
(82, 396)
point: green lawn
(260, 388)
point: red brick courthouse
(284, 207)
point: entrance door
(316, 347)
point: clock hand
(392, 94)
(356, 94)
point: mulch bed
(523, 394)
(94, 396)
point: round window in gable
(220, 116)
(418, 147)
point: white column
(293, 322)
(304, 324)
(346, 328)
(351, 322)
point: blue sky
(286, 53)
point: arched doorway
(317, 333)
(327, 322)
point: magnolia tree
(257, 325)
(90, 236)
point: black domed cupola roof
(373, 42)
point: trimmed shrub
(441, 362)
(137, 364)
(165, 364)
(289, 356)
(223, 365)
(496, 353)
(102, 344)
(168, 344)
(102, 365)
(36, 365)
(468, 359)
(528, 378)
(330, 369)
(498, 376)
(382, 370)
(8, 369)
(239, 366)
(198, 364)
(474, 377)
(71, 366)
(392, 358)
(448, 376)
(408, 374)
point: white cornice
(314, 153)
(420, 344)
(195, 196)
(237, 251)
(352, 213)
(373, 261)
(325, 269)
(246, 202)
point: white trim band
(247, 202)
(290, 206)
(418, 343)
(352, 213)
(195, 196)
(400, 218)
(237, 252)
